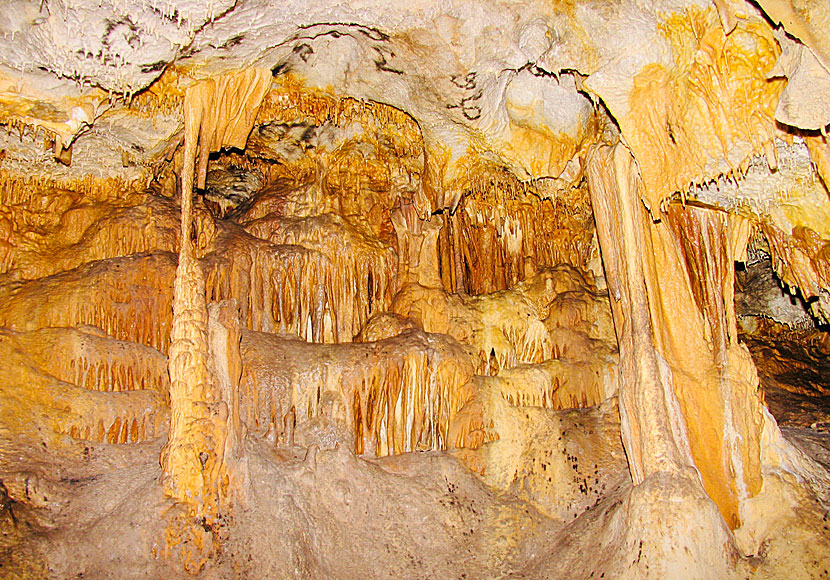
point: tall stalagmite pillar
(690, 394)
(218, 112)
(651, 435)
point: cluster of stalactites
(119, 231)
(530, 323)
(106, 390)
(282, 285)
(553, 384)
(542, 386)
(393, 395)
(21, 116)
(279, 289)
(29, 191)
(97, 362)
(128, 298)
(290, 288)
(802, 262)
(293, 103)
(504, 232)
(406, 404)
(290, 102)
(43, 224)
(361, 272)
(127, 422)
(711, 111)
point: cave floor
(85, 510)
(89, 510)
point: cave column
(652, 443)
(672, 523)
(203, 356)
(688, 394)
(185, 457)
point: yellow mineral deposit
(431, 296)
(717, 101)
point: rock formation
(458, 290)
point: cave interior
(466, 290)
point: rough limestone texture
(369, 289)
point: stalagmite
(218, 112)
(652, 444)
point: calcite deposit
(414, 290)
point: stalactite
(505, 231)
(801, 261)
(67, 382)
(128, 298)
(395, 395)
(360, 272)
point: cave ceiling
(515, 82)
